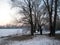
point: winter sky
(8, 14)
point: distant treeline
(13, 27)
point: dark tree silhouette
(55, 16)
(34, 11)
(51, 9)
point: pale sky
(8, 15)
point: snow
(37, 40)
(7, 32)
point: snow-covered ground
(37, 40)
(7, 32)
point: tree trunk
(30, 15)
(40, 29)
(55, 16)
(50, 23)
(32, 28)
(50, 17)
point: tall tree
(50, 10)
(55, 16)
(30, 14)
(33, 11)
(37, 15)
(51, 6)
(26, 9)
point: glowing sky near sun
(7, 15)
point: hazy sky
(8, 15)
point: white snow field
(7, 32)
(36, 40)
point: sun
(8, 15)
(5, 17)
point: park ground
(30, 40)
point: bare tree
(55, 16)
(37, 15)
(34, 14)
(50, 4)
(27, 11)
(49, 9)
(33, 11)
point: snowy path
(37, 40)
